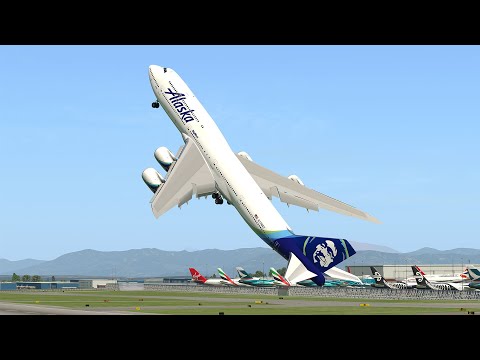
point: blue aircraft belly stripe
(274, 235)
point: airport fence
(334, 292)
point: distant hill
(9, 267)
(421, 256)
(365, 246)
(155, 263)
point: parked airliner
(474, 276)
(329, 282)
(202, 280)
(227, 278)
(206, 165)
(380, 281)
(249, 279)
(424, 283)
(441, 278)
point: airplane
(473, 272)
(206, 165)
(441, 278)
(474, 275)
(227, 278)
(424, 283)
(279, 279)
(246, 278)
(202, 280)
(380, 281)
(332, 281)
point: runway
(23, 309)
(184, 304)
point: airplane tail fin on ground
(379, 279)
(419, 278)
(420, 270)
(279, 278)
(196, 276)
(473, 272)
(242, 273)
(226, 277)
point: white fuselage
(440, 278)
(233, 181)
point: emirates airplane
(206, 165)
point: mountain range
(150, 262)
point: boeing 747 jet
(206, 166)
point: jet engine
(164, 157)
(296, 179)
(152, 178)
(245, 155)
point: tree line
(33, 278)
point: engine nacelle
(164, 157)
(296, 179)
(245, 155)
(152, 178)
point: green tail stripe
(305, 245)
(345, 247)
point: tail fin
(419, 278)
(317, 254)
(379, 279)
(421, 271)
(196, 276)
(242, 273)
(226, 277)
(473, 272)
(279, 278)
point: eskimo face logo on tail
(325, 253)
(177, 100)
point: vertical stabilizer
(242, 273)
(473, 272)
(225, 277)
(196, 276)
(422, 282)
(296, 271)
(379, 279)
(279, 278)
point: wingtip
(372, 219)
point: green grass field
(197, 303)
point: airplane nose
(153, 69)
(155, 74)
(156, 69)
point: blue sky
(391, 130)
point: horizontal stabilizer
(296, 271)
(339, 274)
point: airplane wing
(292, 193)
(186, 176)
